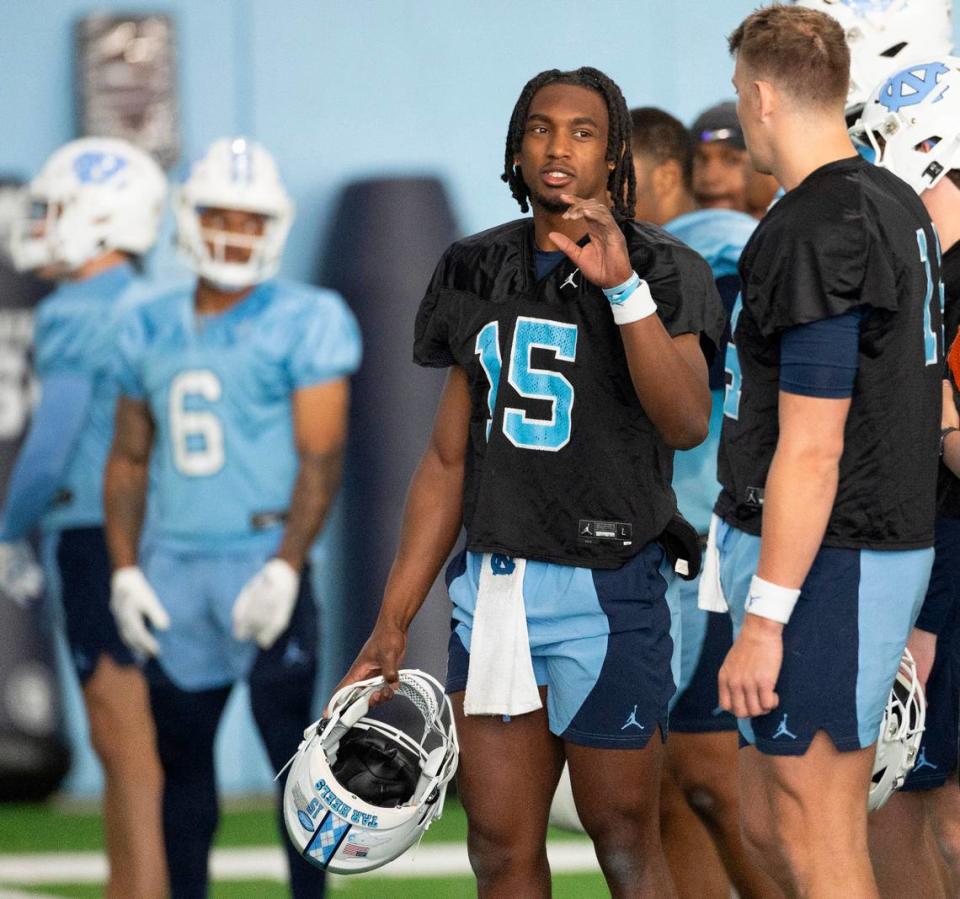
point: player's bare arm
(799, 496)
(431, 522)
(668, 374)
(125, 480)
(319, 432)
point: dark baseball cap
(719, 122)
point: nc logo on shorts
(912, 86)
(502, 564)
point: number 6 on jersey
(196, 434)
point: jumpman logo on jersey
(922, 760)
(632, 719)
(293, 654)
(782, 730)
(569, 282)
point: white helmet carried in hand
(900, 734)
(885, 35)
(92, 195)
(912, 122)
(360, 792)
(235, 174)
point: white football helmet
(885, 35)
(912, 122)
(92, 195)
(900, 734)
(360, 792)
(233, 173)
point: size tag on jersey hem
(617, 532)
(754, 497)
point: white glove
(132, 601)
(21, 578)
(263, 608)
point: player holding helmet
(93, 209)
(824, 528)
(912, 123)
(233, 406)
(573, 343)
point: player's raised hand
(263, 609)
(604, 260)
(133, 604)
(380, 656)
(748, 677)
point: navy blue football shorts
(83, 573)
(602, 642)
(937, 758)
(842, 646)
(706, 638)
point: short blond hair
(803, 50)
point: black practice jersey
(851, 235)
(563, 464)
(948, 485)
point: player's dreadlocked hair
(622, 183)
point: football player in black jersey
(697, 789)
(573, 342)
(912, 123)
(828, 457)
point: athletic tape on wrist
(770, 600)
(630, 301)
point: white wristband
(635, 305)
(770, 600)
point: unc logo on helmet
(374, 790)
(912, 86)
(911, 122)
(97, 168)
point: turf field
(54, 850)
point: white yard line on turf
(16, 894)
(268, 863)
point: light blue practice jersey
(219, 389)
(76, 334)
(719, 235)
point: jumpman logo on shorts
(570, 282)
(632, 719)
(922, 760)
(782, 730)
